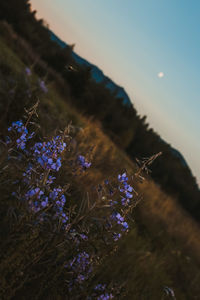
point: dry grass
(164, 246)
(156, 208)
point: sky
(151, 48)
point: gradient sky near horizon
(135, 43)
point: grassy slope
(163, 247)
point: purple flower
(83, 162)
(64, 218)
(83, 236)
(54, 194)
(116, 236)
(43, 86)
(47, 153)
(81, 267)
(123, 177)
(34, 192)
(105, 295)
(125, 225)
(28, 71)
(125, 201)
(50, 179)
(119, 220)
(19, 128)
(125, 188)
(128, 195)
(44, 203)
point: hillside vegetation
(163, 246)
(94, 99)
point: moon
(160, 75)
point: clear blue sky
(132, 41)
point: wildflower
(120, 220)
(125, 188)
(125, 201)
(83, 236)
(43, 86)
(44, 203)
(100, 287)
(54, 194)
(47, 153)
(34, 192)
(105, 295)
(36, 199)
(50, 179)
(83, 162)
(80, 265)
(19, 128)
(28, 71)
(116, 236)
(125, 225)
(123, 177)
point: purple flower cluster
(40, 178)
(119, 220)
(125, 188)
(81, 267)
(36, 199)
(47, 153)
(59, 201)
(83, 162)
(56, 200)
(48, 203)
(116, 223)
(102, 289)
(22, 132)
(105, 296)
